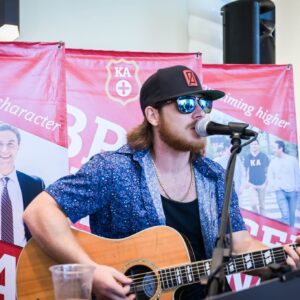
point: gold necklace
(163, 188)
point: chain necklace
(163, 188)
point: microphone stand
(216, 282)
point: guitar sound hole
(144, 283)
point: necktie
(7, 230)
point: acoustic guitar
(157, 259)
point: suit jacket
(30, 186)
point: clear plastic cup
(72, 281)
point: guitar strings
(253, 255)
(202, 268)
(139, 281)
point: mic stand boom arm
(216, 281)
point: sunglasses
(187, 104)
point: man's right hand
(111, 284)
(51, 229)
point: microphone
(205, 127)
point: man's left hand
(293, 255)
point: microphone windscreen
(201, 126)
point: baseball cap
(172, 82)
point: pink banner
(269, 231)
(261, 95)
(33, 139)
(32, 89)
(9, 255)
(103, 96)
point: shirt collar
(208, 167)
(138, 155)
(12, 176)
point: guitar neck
(173, 277)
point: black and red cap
(172, 82)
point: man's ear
(152, 115)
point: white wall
(288, 43)
(133, 25)
(205, 29)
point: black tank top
(184, 217)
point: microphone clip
(238, 130)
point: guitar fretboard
(174, 277)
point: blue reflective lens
(206, 105)
(187, 104)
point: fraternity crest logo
(122, 84)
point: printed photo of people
(266, 176)
(20, 182)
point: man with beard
(158, 178)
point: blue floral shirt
(120, 192)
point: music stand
(286, 286)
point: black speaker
(249, 32)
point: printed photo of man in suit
(17, 189)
